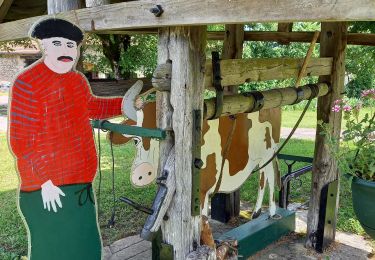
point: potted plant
(354, 152)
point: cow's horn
(128, 108)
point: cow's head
(145, 163)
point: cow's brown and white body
(254, 142)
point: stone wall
(10, 66)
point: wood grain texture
(273, 98)
(109, 88)
(333, 44)
(353, 38)
(185, 47)
(239, 71)
(92, 3)
(58, 6)
(4, 8)
(284, 27)
(136, 14)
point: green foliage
(355, 150)
(141, 56)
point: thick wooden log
(136, 14)
(185, 47)
(272, 98)
(333, 44)
(239, 71)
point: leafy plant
(355, 149)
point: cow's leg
(261, 188)
(270, 176)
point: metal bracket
(258, 100)
(197, 163)
(327, 216)
(300, 96)
(216, 82)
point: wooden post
(57, 6)
(333, 44)
(225, 206)
(185, 48)
(284, 27)
(92, 3)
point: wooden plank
(4, 8)
(261, 232)
(185, 47)
(239, 71)
(136, 14)
(333, 44)
(236, 72)
(109, 88)
(353, 38)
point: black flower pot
(363, 194)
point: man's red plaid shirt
(49, 127)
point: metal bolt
(157, 10)
(198, 163)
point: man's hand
(51, 195)
(139, 103)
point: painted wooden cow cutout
(254, 142)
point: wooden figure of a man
(52, 139)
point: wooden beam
(353, 38)
(272, 98)
(108, 88)
(333, 44)
(284, 27)
(239, 71)
(185, 47)
(4, 8)
(136, 14)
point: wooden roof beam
(136, 14)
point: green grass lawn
(290, 117)
(13, 239)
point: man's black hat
(54, 27)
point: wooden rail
(136, 14)
(236, 104)
(239, 71)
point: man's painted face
(60, 54)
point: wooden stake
(307, 58)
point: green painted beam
(261, 232)
(129, 130)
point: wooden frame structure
(182, 38)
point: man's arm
(24, 125)
(102, 107)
